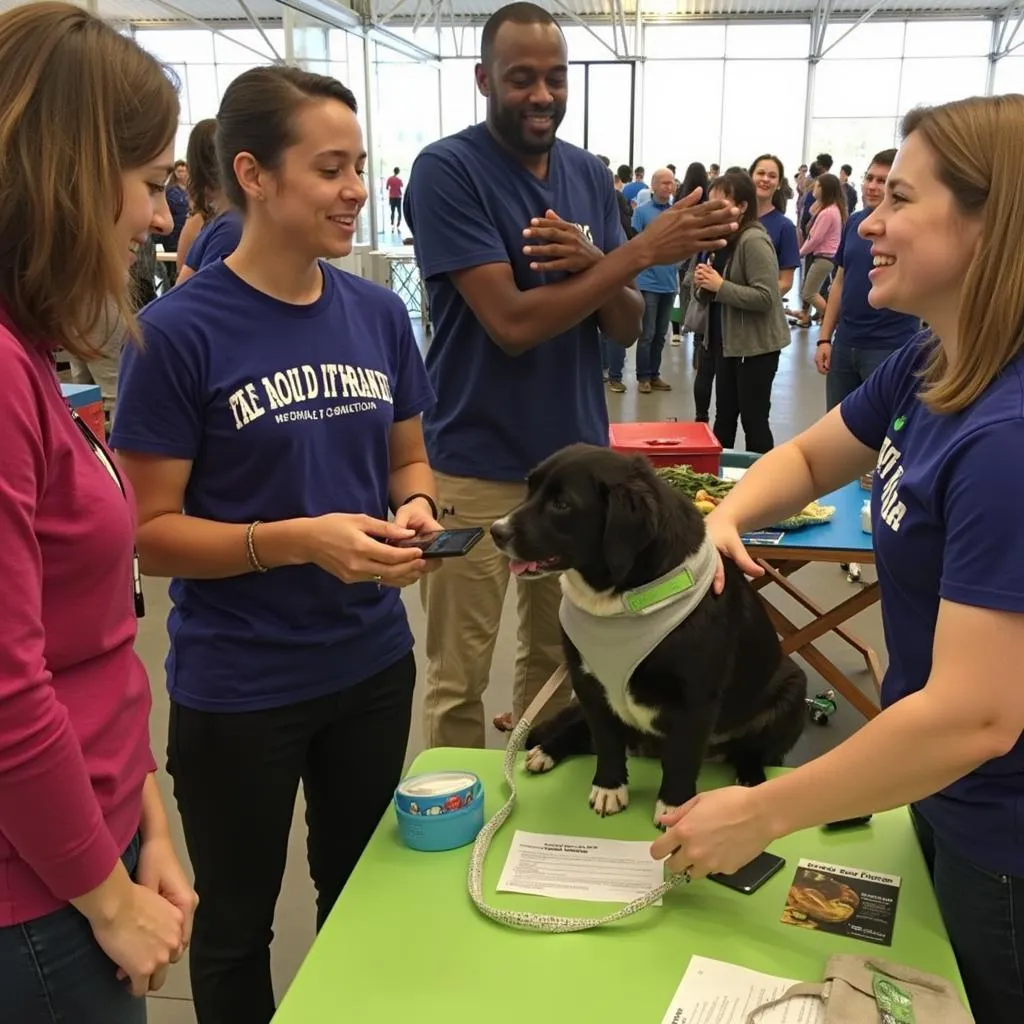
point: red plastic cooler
(669, 444)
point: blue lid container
(439, 811)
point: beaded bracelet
(250, 548)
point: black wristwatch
(427, 498)
(824, 341)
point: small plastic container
(669, 444)
(865, 517)
(432, 833)
(439, 810)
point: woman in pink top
(394, 186)
(93, 901)
(822, 243)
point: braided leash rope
(520, 919)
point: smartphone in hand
(444, 543)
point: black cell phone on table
(443, 543)
(751, 876)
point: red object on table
(669, 444)
(94, 419)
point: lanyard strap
(520, 919)
(100, 452)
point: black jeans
(235, 781)
(984, 916)
(743, 393)
(704, 379)
(52, 970)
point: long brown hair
(203, 173)
(978, 146)
(79, 104)
(832, 193)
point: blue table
(840, 541)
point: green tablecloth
(405, 943)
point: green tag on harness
(645, 597)
(895, 1005)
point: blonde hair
(978, 146)
(79, 105)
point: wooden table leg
(829, 621)
(827, 669)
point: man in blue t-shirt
(632, 189)
(658, 285)
(855, 337)
(518, 239)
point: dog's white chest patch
(639, 716)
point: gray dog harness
(612, 646)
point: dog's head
(589, 509)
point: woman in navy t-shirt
(942, 424)
(770, 182)
(214, 229)
(271, 420)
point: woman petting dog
(937, 422)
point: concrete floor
(798, 400)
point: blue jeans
(54, 972)
(984, 916)
(850, 366)
(657, 313)
(613, 358)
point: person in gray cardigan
(746, 323)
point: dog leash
(521, 919)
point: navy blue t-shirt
(860, 324)
(218, 239)
(632, 189)
(285, 412)
(782, 231)
(941, 532)
(178, 204)
(467, 203)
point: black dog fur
(719, 683)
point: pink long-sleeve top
(825, 234)
(74, 697)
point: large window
(682, 112)
(407, 116)
(1010, 74)
(698, 106)
(872, 74)
(755, 117)
(462, 104)
(206, 64)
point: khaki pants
(463, 603)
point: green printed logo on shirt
(899, 423)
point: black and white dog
(660, 664)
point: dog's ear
(631, 520)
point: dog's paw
(537, 761)
(608, 801)
(750, 777)
(661, 808)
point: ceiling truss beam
(1008, 24)
(576, 19)
(255, 22)
(272, 57)
(819, 23)
(869, 13)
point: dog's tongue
(517, 567)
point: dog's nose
(501, 531)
